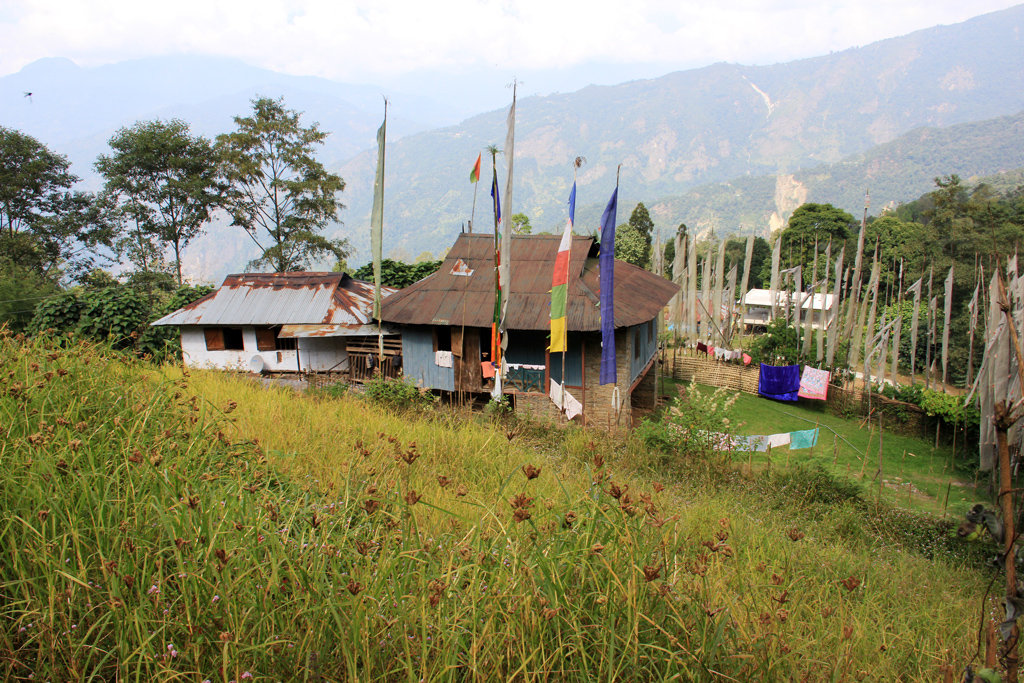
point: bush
(396, 393)
(694, 424)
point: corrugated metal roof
(282, 299)
(446, 299)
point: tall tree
(630, 246)
(640, 220)
(166, 181)
(812, 223)
(521, 224)
(280, 193)
(45, 227)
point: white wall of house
(316, 354)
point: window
(214, 338)
(223, 339)
(233, 339)
(442, 339)
(636, 344)
(268, 339)
(650, 332)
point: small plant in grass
(396, 393)
(696, 424)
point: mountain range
(728, 147)
(691, 128)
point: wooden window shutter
(266, 339)
(214, 338)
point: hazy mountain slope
(694, 127)
(897, 171)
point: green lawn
(914, 472)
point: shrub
(396, 393)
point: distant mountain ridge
(691, 128)
(898, 171)
(75, 110)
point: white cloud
(366, 41)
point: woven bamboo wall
(689, 366)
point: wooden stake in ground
(1004, 420)
(879, 475)
(864, 460)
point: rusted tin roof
(331, 299)
(447, 299)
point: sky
(553, 45)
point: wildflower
(615, 491)
(153, 590)
(443, 481)
(462, 490)
(354, 587)
(412, 497)
(782, 614)
(246, 675)
(215, 598)
(850, 583)
(531, 472)
(596, 549)
(651, 572)
(795, 534)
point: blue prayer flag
(606, 263)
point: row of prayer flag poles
(716, 303)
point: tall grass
(170, 527)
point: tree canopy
(165, 182)
(279, 193)
(521, 224)
(46, 228)
(631, 247)
(640, 221)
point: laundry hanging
(781, 383)
(807, 438)
(814, 383)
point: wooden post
(835, 450)
(1003, 421)
(880, 475)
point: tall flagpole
(377, 233)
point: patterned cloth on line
(780, 383)
(443, 359)
(702, 347)
(746, 359)
(777, 440)
(807, 438)
(487, 369)
(814, 383)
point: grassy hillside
(155, 526)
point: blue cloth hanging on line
(807, 438)
(781, 383)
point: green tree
(45, 227)
(280, 194)
(166, 182)
(640, 220)
(631, 247)
(521, 224)
(398, 274)
(811, 222)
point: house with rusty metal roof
(287, 323)
(445, 322)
